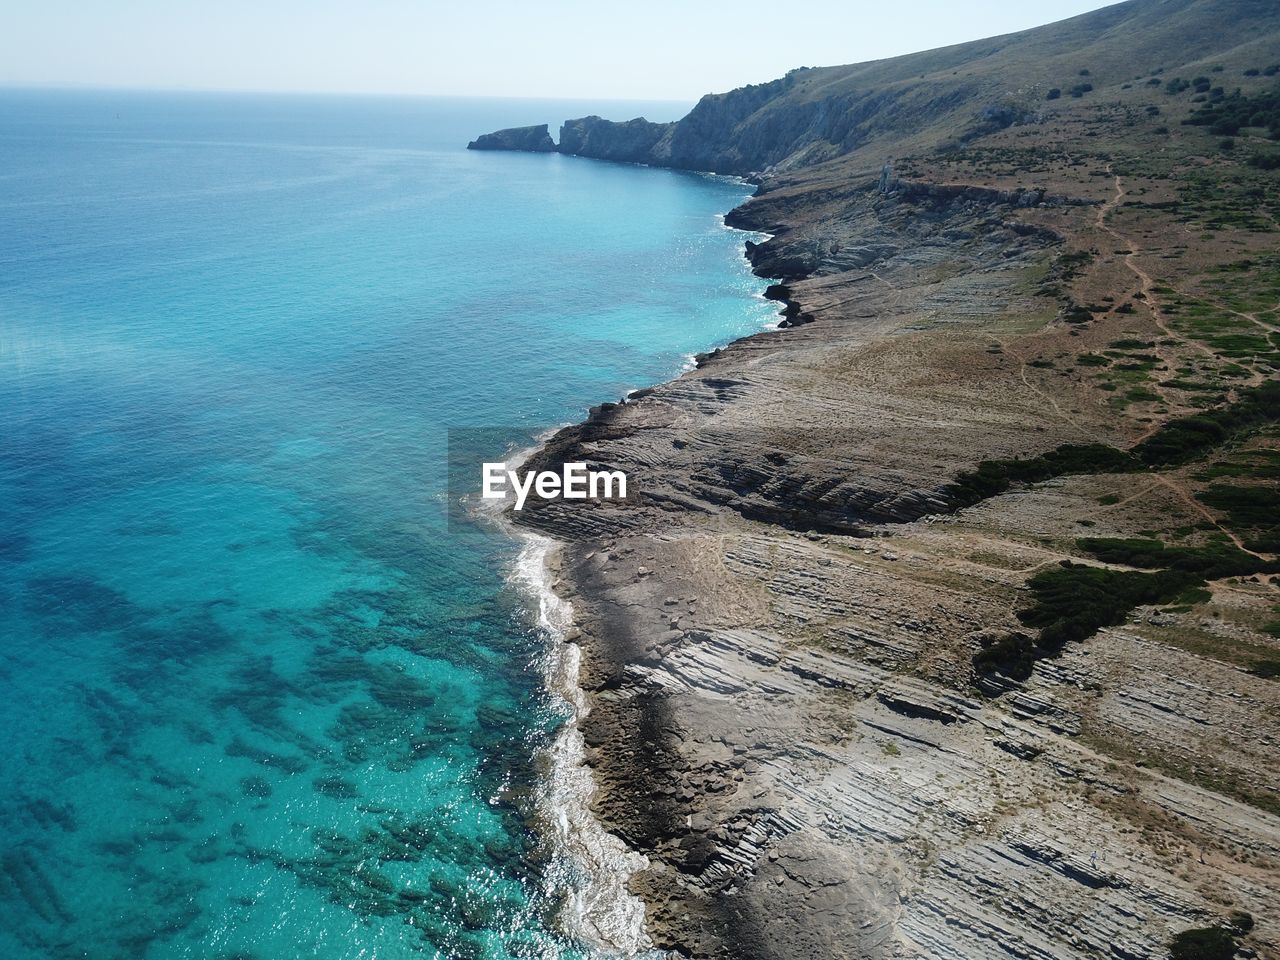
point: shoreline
(595, 866)
(608, 863)
(590, 866)
(594, 883)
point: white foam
(591, 867)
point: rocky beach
(942, 621)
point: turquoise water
(260, 700)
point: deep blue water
(259, 700)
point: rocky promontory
(534, 139)
(628, 141)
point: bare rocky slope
(944, 621)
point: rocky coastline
(792, 631)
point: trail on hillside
(1148, 287)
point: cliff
(631, 141)
(936, 99)
(535, 139)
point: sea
(262, 694)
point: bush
(1053, 94)
(1080, 89)
(1189, 438)
(1013, 655)
(992, 477)
(1254, 511)
(1073, 601)
(1209, 562)
(1228, 115)
(1205, 943)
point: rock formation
(535, 139)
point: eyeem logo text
(575, 482)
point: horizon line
(129, 88)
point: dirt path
(1147, 285)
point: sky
(653, 50)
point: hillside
(945, 622)
(943, 97)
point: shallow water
(260, 699)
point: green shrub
(1228, 114)
(1210, 562)
(992, 477)
(1253, 511)
(1072, 602)
(1189, 438)
(1013, 655)
(1077, 314)
(1204, 943)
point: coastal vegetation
(1204, 943)
(1072, 601)
(1180, 441)
(993, 477)
(1230, 114)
